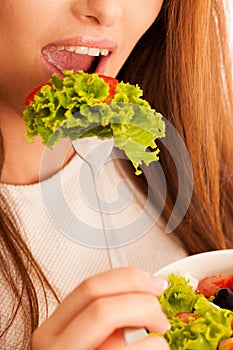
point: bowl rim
(176, 265)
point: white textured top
(64, 230)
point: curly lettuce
(78, 105)
(204, 331)
(179, 297)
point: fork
(116, 256)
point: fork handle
(117, 258)
(132, 335)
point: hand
(94, 315)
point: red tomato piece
(184, 316)
(210, 285)
(226, 344)
(32, 94)
(112, 82)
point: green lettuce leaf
(178, 297)
(210, 326)
(202, 333)
(75, 107)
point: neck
(26, 163)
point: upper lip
(88, 41)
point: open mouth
(88, 59)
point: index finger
(109, 283)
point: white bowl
(201, 265)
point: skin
(26, 27)
(91, 316)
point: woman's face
(38, 38)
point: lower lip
(102, 66)
(51, 69)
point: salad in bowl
(199, 301)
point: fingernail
(168, 326)
(160, 282)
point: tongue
(65, 60)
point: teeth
(92, 51)
(104, 52)
(83, 50)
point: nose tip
(105, 12)
(109, 16)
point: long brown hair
(20, 274)
(184, 68)
(184, 65)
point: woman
(181, 74)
